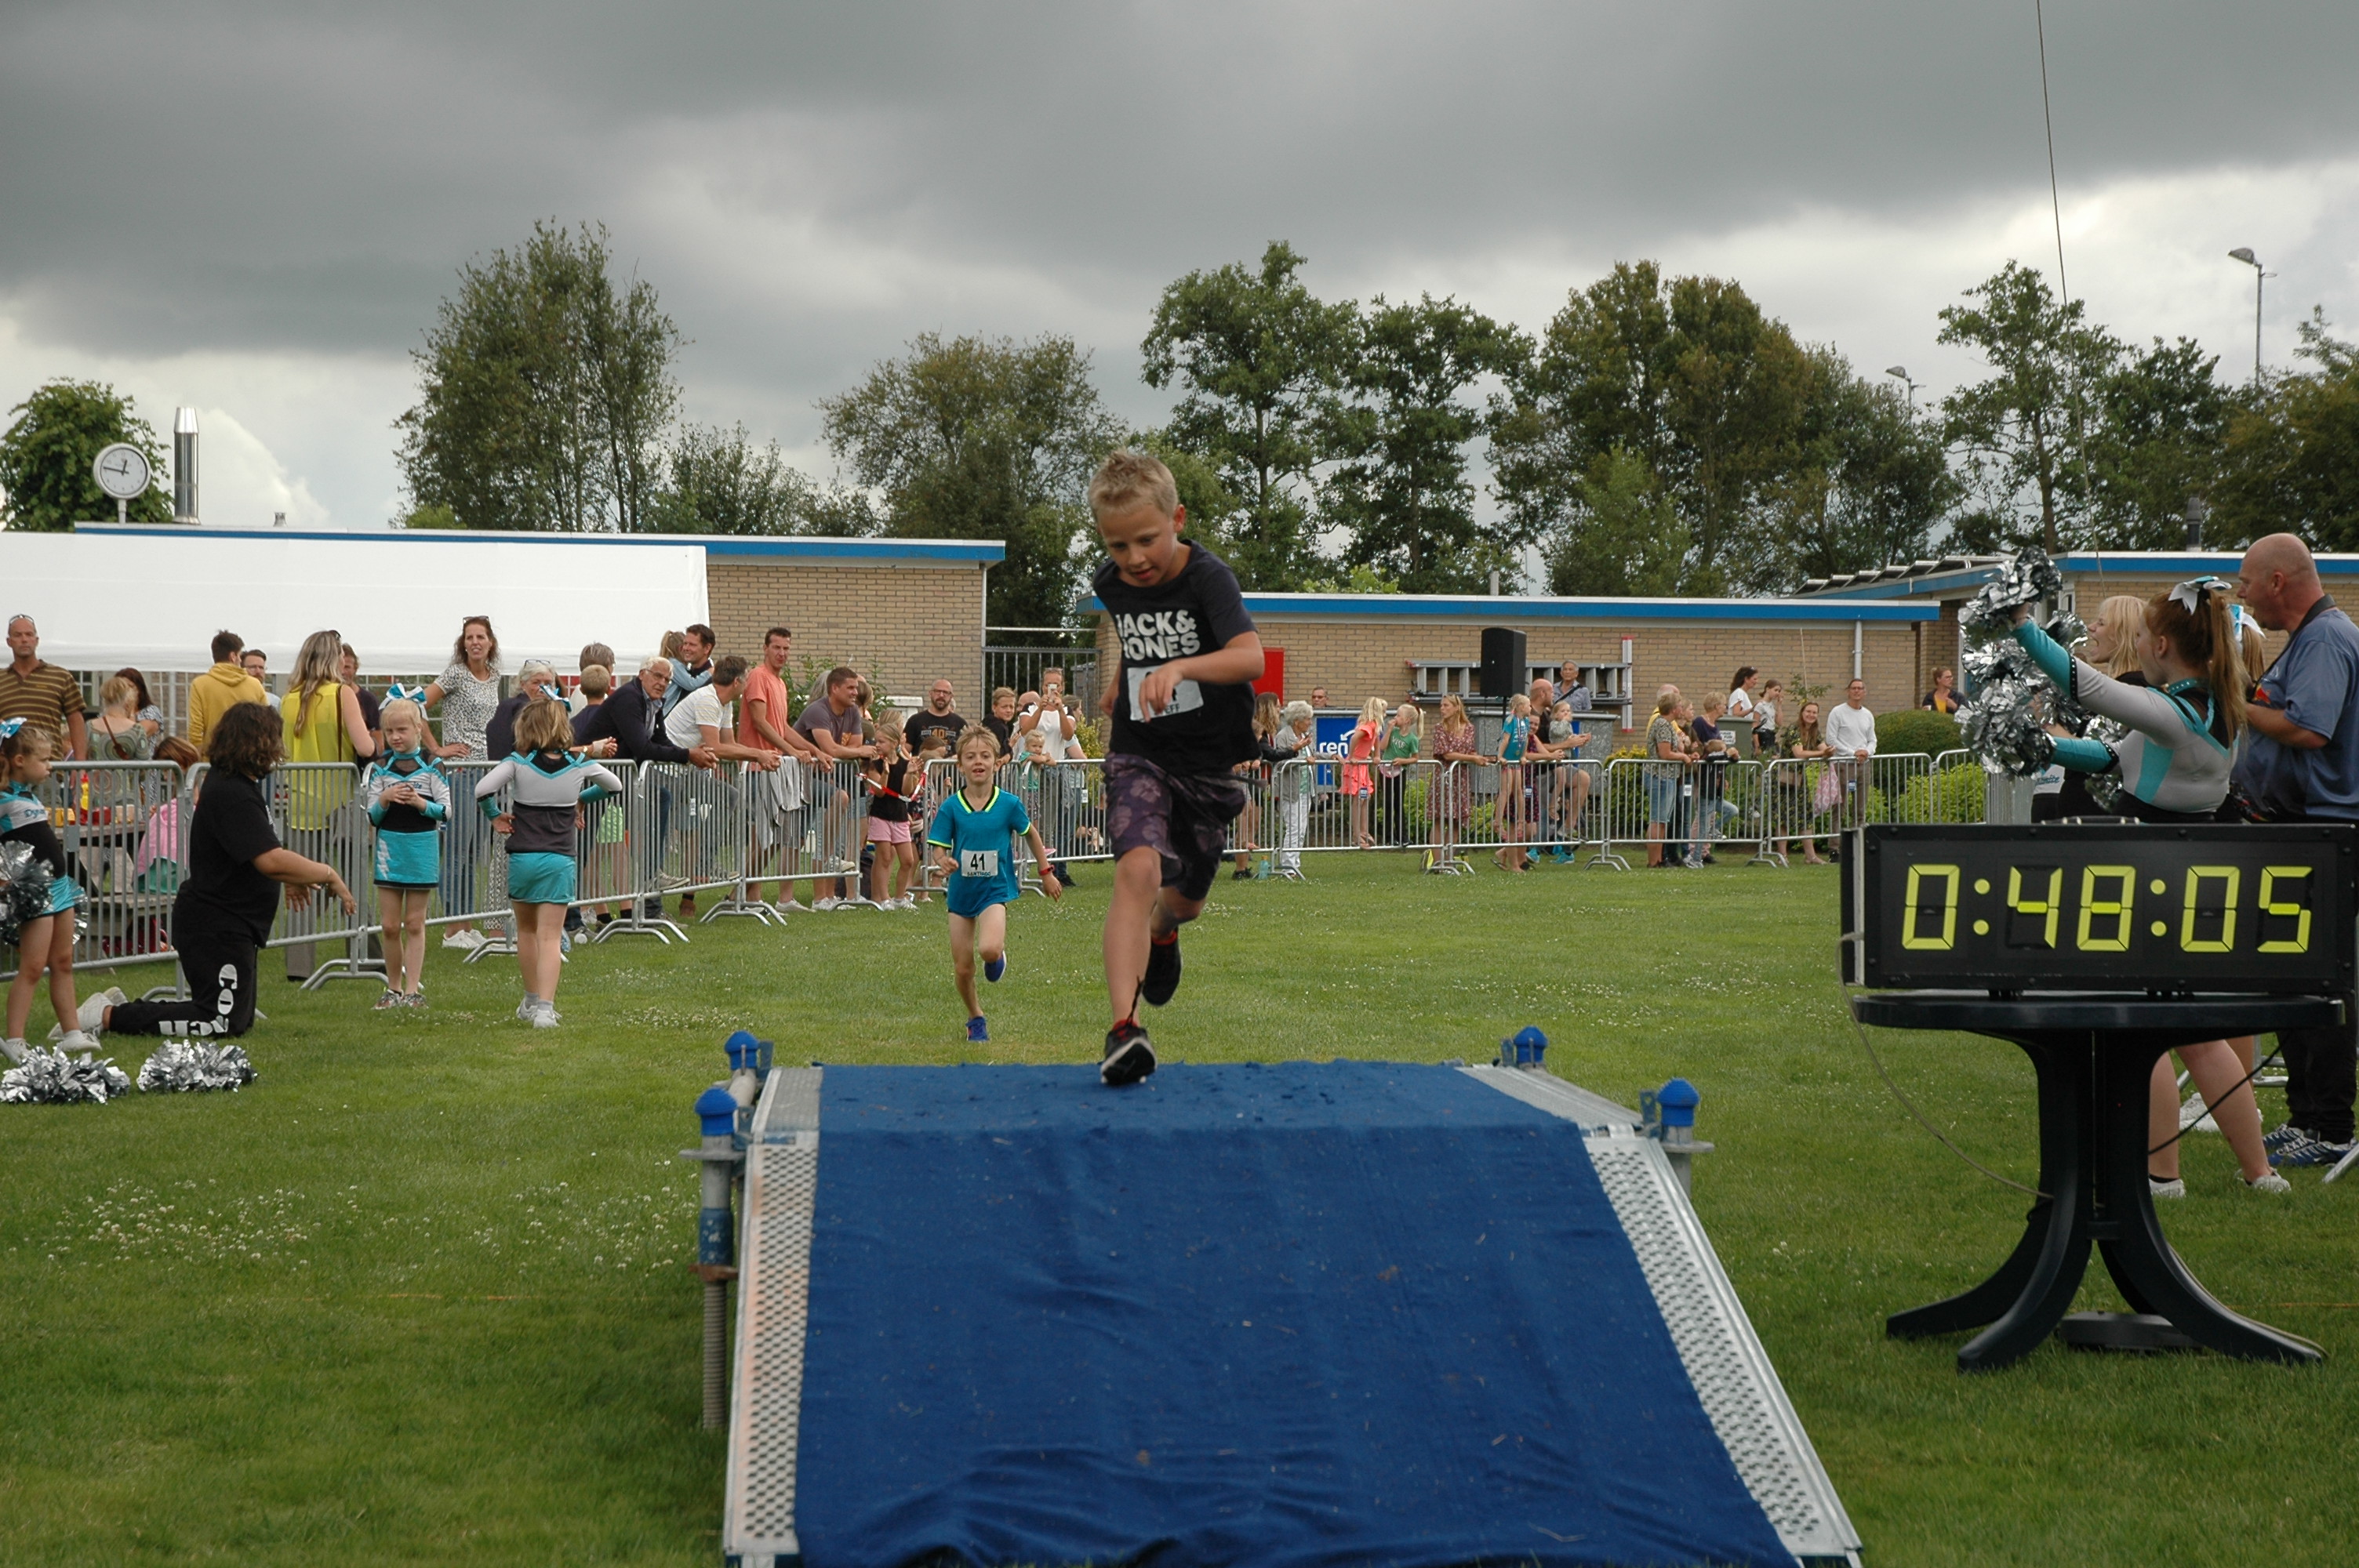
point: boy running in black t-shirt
(1181, 699)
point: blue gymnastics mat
(1358, 1313)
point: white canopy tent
(154, 597)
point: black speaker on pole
(1502, 675)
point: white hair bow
(2191, 593)
(9, 726)
(397, 692)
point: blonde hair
(401, 707)
(2256, 647)
(29, 741)
(975, 735)
(1416, 725)
(1128, 478)
(544, 725)
(320, 662)
(1375, 712)
(1667, 702)
(1265, 719)
(1451, 701)
(597, 680)
(116, 689)
(1519, 704)
(2122, 614)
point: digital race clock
(2128, 907)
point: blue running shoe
(996, 967)
(2284, 1132)
(976, 1032)
(2308, 1152)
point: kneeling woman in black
(236, 866)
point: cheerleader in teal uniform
(408, 799)
(45, 939)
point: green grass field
(421, 1293)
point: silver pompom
(2025, 579)
(51, 1077)
(2006, 721)
(25, 880)
(189, 1066)
(2105, 788)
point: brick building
(911, 610)
(1398, 645)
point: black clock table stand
(2095, 1056)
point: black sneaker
(1162, 972)
(1129, 1056)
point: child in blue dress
(409, 799)
(546, 784)
(46, 944)
(975, 830)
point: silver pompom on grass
(190, 1066)
(51, 1077)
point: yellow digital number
(1948, 938)
(2196, 876)
(2049, 907)
(2118, 909)
(2298, 912)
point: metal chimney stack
(184, 465)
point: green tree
(2162, 426)
(2022, 433)
(1258, 359)
(1623, 537)
(1213, 510)
(718, 481)
(1686, 375)
(546, 389)
(1400, 490)
(2291, 460)
(47, 452)
(1869, 481)
(975, 439)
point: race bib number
(978, 862)
(1187, 695)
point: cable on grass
(1877, 1063)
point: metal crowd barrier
(678, 829)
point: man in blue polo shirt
(2301, 764)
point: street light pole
(1902, 372)
(2244, 253)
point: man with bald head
(2301, 764)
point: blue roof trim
(980, 552)
(1481, 607)
(2188, 563)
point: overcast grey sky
(255, 208)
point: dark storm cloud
(198, 176)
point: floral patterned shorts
(1183, 818)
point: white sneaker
(91, 1015)
(793, 906)
(2266, 1182)
(15, 1050)
(906, 900)
(463, 939)
(2174, 1188)
(78, 1040)
(821, 905)
(545, 1016)
(526, 1008)
(2194, 1113)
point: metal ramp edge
(1734, 1377)
(772, 1300)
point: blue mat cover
(1358, 1313)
